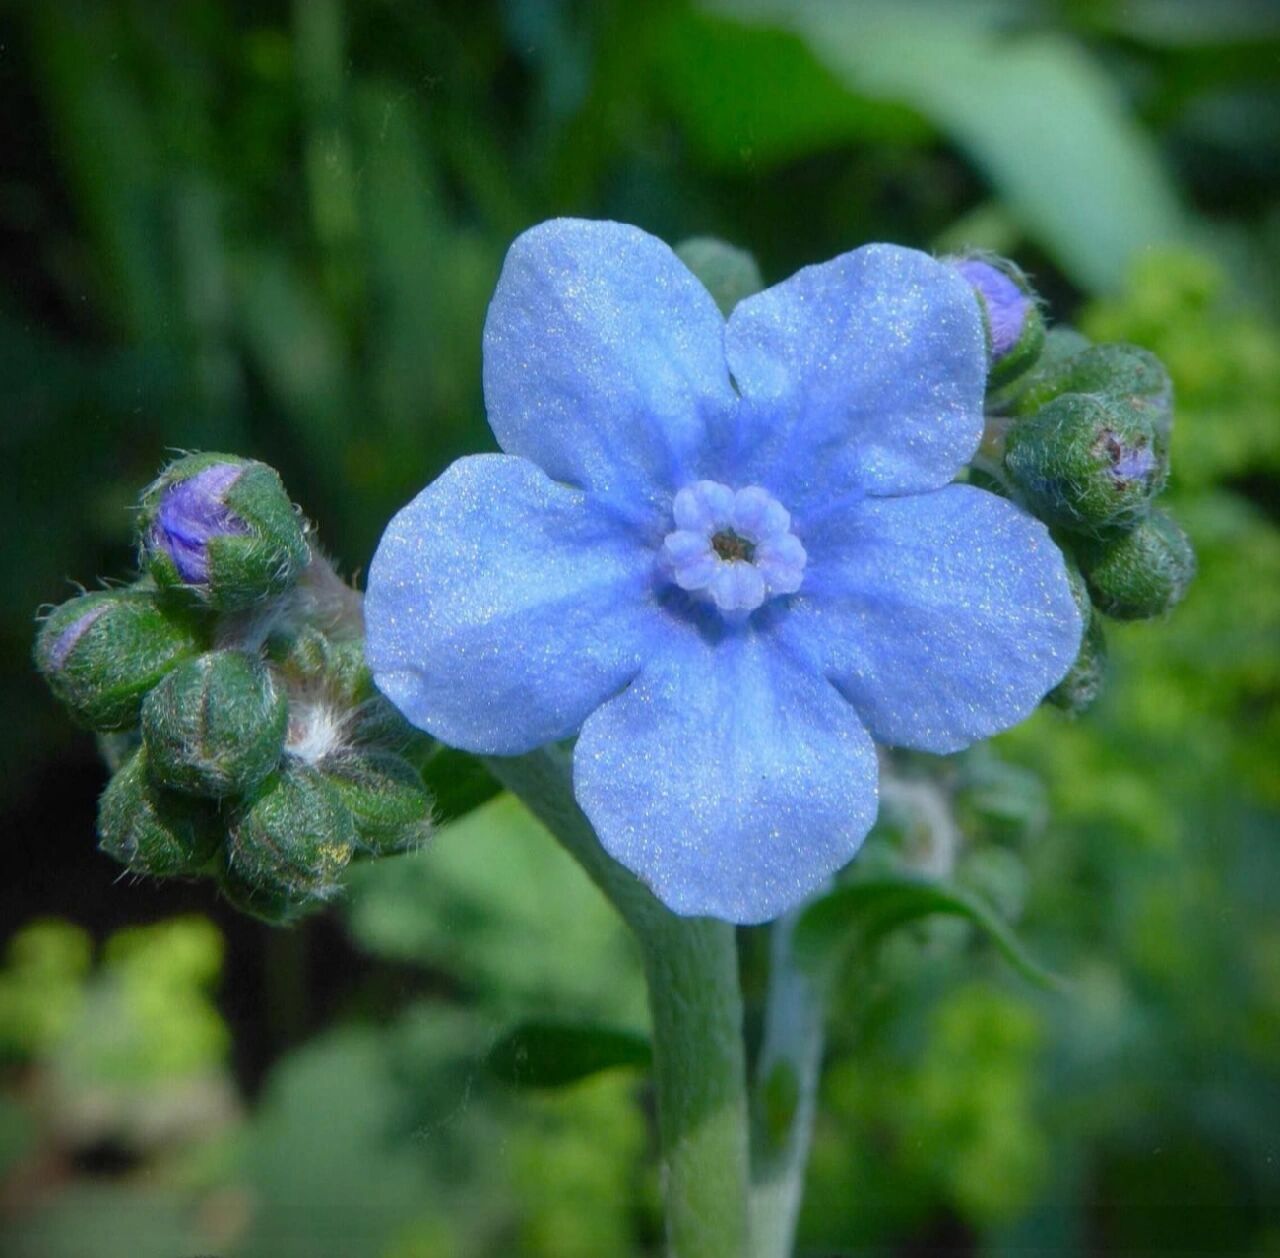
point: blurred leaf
(42, 986)
(495, 901)
(107, 1221)
(458, 782)
(1033, 110)
(857, 915)
(17, 1134)
(1189, 23)
(328, 1177)
(712, 72)
(149, 1018)
(547, 1054)
(108, 144)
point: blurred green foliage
(273, 228)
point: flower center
(733, 548)
(728, 545)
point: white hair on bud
(316, 730)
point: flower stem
(696, 1006)
(785, 1093)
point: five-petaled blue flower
(727, 554)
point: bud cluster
(229, 686)
(1079, 434)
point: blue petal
(865, 373)
(943, 617)
(604, 360)
(503, 608)
(728, 779)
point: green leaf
(1032, 109)
(711, 73)
(858, 915)
(550, 1054)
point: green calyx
(1142, 573)
(729, 274)
(230, 546)
(1087, 462)
(154, 831)
(291, 839)
(1023, 355)
(215, 726)
(101, 653)
(1060, 343)
(1132, 376)
(385, 796)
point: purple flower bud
(60, 647)
(222, 528)
(1008, 304)
(192, 512)
(1138, 463)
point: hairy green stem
(696, 1006)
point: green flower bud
(303, 657)
(1078, 690)
(277, 908)
(1083, 682)
(386, 798)
(1134, 376)
(1087, 462)
(1011, 314)
(215, 726)
(224, 529)
(102, 652)
(335, 695)
(292, 838)
(1060, 343)
(154, 831)
(1143, 572)
(311, 660)
(729, 274)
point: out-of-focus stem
(785, 1094)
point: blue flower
(727, 555)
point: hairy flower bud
(1083, 682)
(1078, 690)
(223, 528)
(386, 798)
(1142, 573)
(215, 726)
(291, 840)
(1015, 327)
(728, 273)
(102, 652)
(1128, 373)
(335, 693)
(154, 831)
(1087, 462)
(277, 908)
